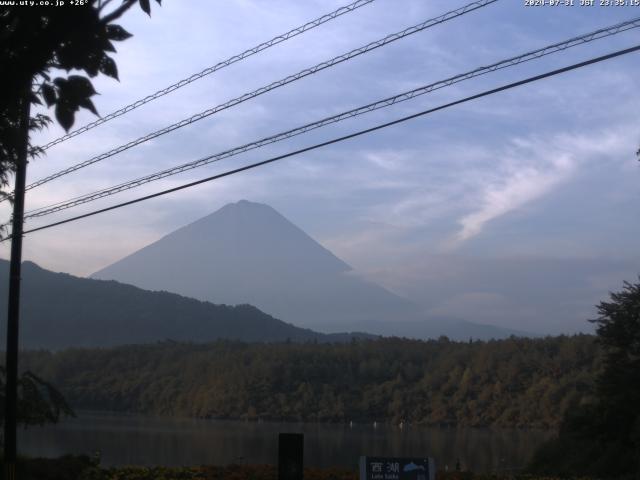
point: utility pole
(13, 316)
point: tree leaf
(88, 104)
(144, 5)
(49, 94)
(108, 67)
(35, 100)
(72, 55)
(107, 46)
(117, 33)
(92, 64)
(80, 87)
(39, 122)
(65, 115)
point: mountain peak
(252, 234)
(247, 252)
(243, 209)
(245, 205)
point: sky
(519, 209)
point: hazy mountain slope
(248, 253)
(60, 310)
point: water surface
(146, 440)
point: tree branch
(103, 4)
(117, 13)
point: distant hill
(60, 310)
(248, 253)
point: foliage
(510, 383)
(83, 468)
(68, 467)
(38, 401)
(34, 41)
(619, 384)
(603, 438)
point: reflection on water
(143, 440)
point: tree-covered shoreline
(517, 382)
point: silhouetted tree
(39, 401)
(618, 385)
(37, 40)
(602, 438)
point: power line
(343, 138)
(209, 70)
(289, 79)
(532, 55)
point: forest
(517, 382)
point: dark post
(13, 316)
(290, 456)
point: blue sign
(392, 468)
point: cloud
(532, 167)
(518, 187)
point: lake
(146, 440)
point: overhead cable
(209, 70)
(343, 138)
(532, 55)
(272, 86)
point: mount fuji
(248, 253)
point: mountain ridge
(59, 310)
